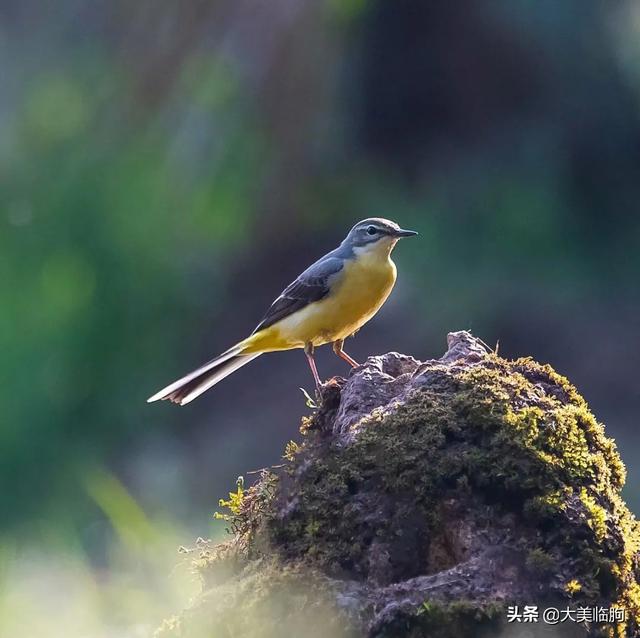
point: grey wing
(312, 285)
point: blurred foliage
(60, 593)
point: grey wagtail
(328, 302)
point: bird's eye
(371, 230)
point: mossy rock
(423, 500)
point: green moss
(573, 587)
(269, 600)
(498, 441)
(233, 503)
(596, 515)
(534, 452)
(545, 507)
(539, 562)
(291, 450)
(450, 620)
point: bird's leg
(308, 350)
(337, 348)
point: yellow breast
(357, 293)
(365, 285)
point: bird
(328, 302)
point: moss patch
(265, 599)
(473, 462)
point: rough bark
(424, 498)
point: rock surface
(424, 498)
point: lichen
(468, 457)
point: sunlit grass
(61, 592)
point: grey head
(374, 229)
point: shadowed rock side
(423, 499)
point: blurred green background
(166, 168)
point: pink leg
(308, 350)
(337, 348)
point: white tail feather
(218, 376)
(229, 354)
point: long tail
(195, 383)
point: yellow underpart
(357, 293)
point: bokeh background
(166, 168)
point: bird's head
(374, 234)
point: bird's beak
(405, 233)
